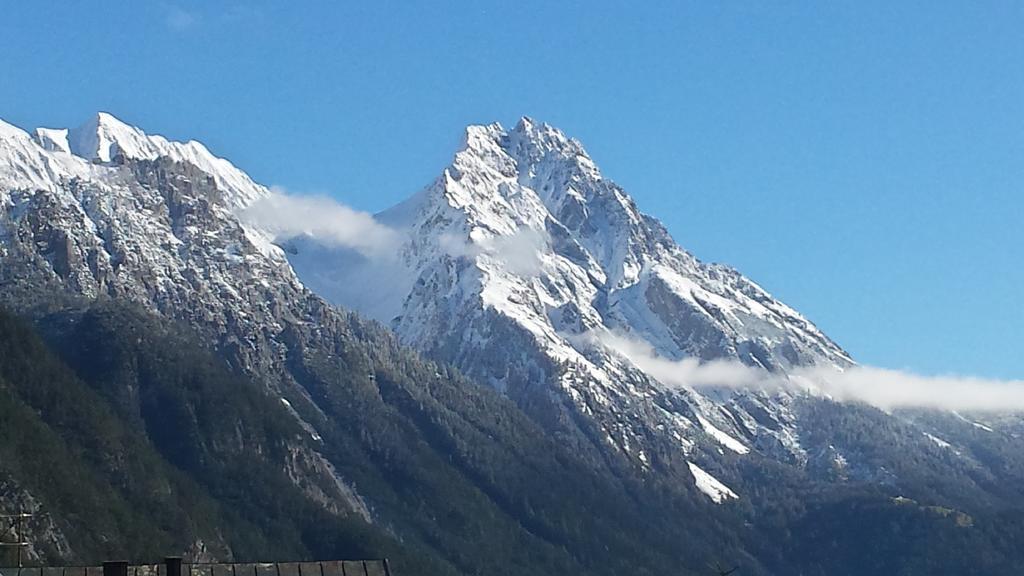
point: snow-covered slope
(710, 486)
(24, 164)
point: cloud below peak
(520, 252)
(329, 222)
(883, 388)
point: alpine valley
(179, 374)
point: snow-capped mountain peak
(104, 139)
(522, 260)
(50, 156)
(530, 140)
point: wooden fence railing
(175, 567)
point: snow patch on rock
(710, 486)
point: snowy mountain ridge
(103, 139)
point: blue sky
(862, 160)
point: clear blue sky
(863, 160)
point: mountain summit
(104, 139)
(524, 266)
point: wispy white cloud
(178, 19)
(687, 372)
(890, 389)
(884, 388)
(519, 252)
(325, 220)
